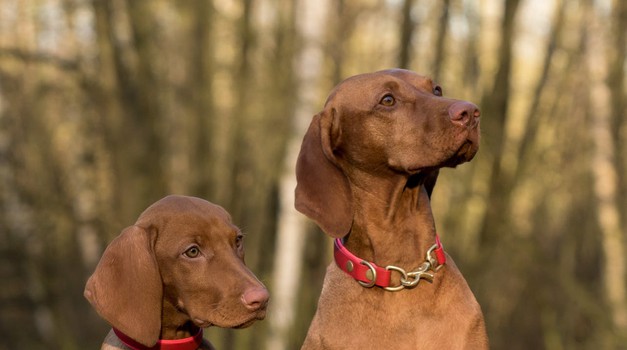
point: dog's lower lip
(413, 171)
(202, 323)
(252, 320)
(246, 324)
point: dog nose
(464, 113)
(256, 298)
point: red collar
(368, 274)
(191, 343)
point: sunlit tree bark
(616, 83)
(292, 226)
(532, 120)
(605, 172)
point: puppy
(178, 269)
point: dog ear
(126, 288)
(322, 189)
(430, 181)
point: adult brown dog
(365, 173)
(178, 269)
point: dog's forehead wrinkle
(351, 97)
(192, 228)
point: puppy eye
(239, 241)
(437, 90)
(192, 252)
(388, 100)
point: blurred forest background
(107, 106)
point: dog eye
(388, 100)
(192, 252)
(437, 90)
(239, 241)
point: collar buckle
(368, 274)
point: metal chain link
(411, 279)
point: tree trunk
(292, 227)
(205, 120)
(532, 121)
(440, 41)
(605, 173)
(407, 34)
(616, 83)
(495, 107)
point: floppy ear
(322, 189)
(126, 288)
(430, 181)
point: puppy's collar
(368, 274)
(191, 343)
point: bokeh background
(108, 105)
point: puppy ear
(430, 181)
(322, 189)
(126, 288)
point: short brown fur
(147, 287)
(365, 172)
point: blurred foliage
(107, 106)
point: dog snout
(464, 113)
(256, 298)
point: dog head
(383, 124)
(182, 261)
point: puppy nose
(464, 113)
(256, 298)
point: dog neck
(391, 209)
(175, 324)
